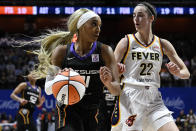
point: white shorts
(140, 108)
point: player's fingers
(166, 64)
(123, 68)
(104, 69)
(173, 65)
(101, 70)
(174, 68)
(105, 73)
(170, 64)
(71, 69)
(65, 69)
(24, 102)
(119, 66)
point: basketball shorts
(140, 108)
(25, 120)
(75, 118)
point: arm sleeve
(50, 79)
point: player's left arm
(176, 66)
(109, 73)
(41, 99)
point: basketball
(69, 87)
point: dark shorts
(25, 121)
(74, 118)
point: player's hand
(173, 68)
(105, 75)
(23, 101)
(66, 69)
(121, 68)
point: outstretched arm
(109, 73)
(17, 91)
(176, 66)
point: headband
(85, 17)
(146, 8)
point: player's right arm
(176, 66)
(56, 60)
(120, 49)
(119, 52)
(17, 91)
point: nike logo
(70, 58)
(134, 48)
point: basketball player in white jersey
(140, 106)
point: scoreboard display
(18, 10)
(60, 10)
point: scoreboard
(61, 10)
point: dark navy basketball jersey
(32, 95)
(87, 66)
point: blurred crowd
(15, 63)
(186, 122)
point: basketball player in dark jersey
(30, 98)
(91, 59)
(84, 112)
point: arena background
(176, 22)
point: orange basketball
(69, 87)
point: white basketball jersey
(143, 63)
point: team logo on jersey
(70, 58)
(24, 111)
(95, 57)
(130, 120)
(156, 48)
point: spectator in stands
(182, 116)
(3, 117)
(3, 79)
(10, 119)
(179, 124)
(186, 126)
(191, 119)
